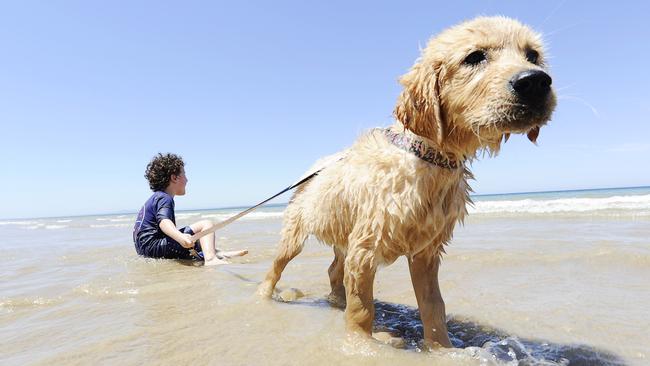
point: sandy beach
(539, 279)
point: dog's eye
(475, 58)
(532, 56)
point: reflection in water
(404, 322)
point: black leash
(221, 224)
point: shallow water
(549, 287)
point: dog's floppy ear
(419, 106)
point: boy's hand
(186, 241)
(168, 227)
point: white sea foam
(122, 219)
(638, 204)
(34, 227)
(54, 227)
(251, 216)
(109, 225)
(19, 223)
(185, 215)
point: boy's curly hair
(160, 170)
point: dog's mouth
(526, 119)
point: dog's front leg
(424, 275)
(360, 268)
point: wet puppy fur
(474, 85)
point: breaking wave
(637, 205)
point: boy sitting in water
(155, 234)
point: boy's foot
(214, 262)
(234, 253)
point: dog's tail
(321, 164)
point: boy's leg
(207, 242)
(210, 253)
(231, 253)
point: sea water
(552, 278)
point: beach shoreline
(557, 275)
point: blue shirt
(146, 230)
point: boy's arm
(168, 227)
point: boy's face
(179, 182)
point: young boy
(155, 234)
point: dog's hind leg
(337, 296)
(291, 243)
(424, 275)
(360, 269)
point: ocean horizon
(534, 195)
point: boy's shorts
(169, 248)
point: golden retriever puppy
(399, 191)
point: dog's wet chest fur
(396, 200)
(428, 210)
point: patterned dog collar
(421, 150)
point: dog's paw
(290, 294)
(336, 301)
(387, 338)
(265, 290)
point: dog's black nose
(531, 86)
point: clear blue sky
(250, 94)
